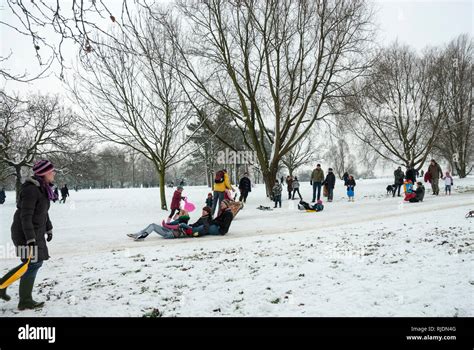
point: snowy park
(377, 256)
(236, 159)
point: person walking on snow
(330, 182)
(221, 183)
(317, 178)
(289, 185)
(64, 194)
(176, 201)
(435, 173)
(32, 228)
(245, 186)
(398, 181)
(296, 188)
(448, 182)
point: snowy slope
(377, 256)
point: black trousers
(243, 196)
(399, 186)
(299, 194)
(172, 212)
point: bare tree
(272, 64)
(301, 154)
(29, 129)
(133, 97)
(394, 111)
(455, 141)
(50, 25)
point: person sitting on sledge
(419, 193)
(306, 206)
(220, 225)
(180, 218)
(408, 189)
(200, 227)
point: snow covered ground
(377, 256)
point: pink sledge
(188, 206)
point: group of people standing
(432, 175)
(328, 183)
(318, 181)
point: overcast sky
(416, 23)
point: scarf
(48, 188)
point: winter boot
(26, 300)
(4, 295)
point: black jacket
(345, 177)
(223, 221)
(411, 175)
(31, 219)
(398, 177)
(351, 183)
(420, 193)
(203, 221)
(330, 180)
(2, 197)
(245, 185)
(64, 191)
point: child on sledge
(408, 189)
(448, 182)
(276, 191)
(182, 217)
(350, 188)
(306, 206)
(176, 201)
(419, 193)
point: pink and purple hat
(43, 167)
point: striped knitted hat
(42, 167)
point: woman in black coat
(31, 224)
(330, 182)
(245, 186)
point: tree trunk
(269, 176)
(17, 181)
(161, 174)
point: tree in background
(133, 97)
(272, 64)
(394, 110)
(37, 127)
(455, 141)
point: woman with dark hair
(31, 224)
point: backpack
(219, 177)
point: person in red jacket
(176, 201)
